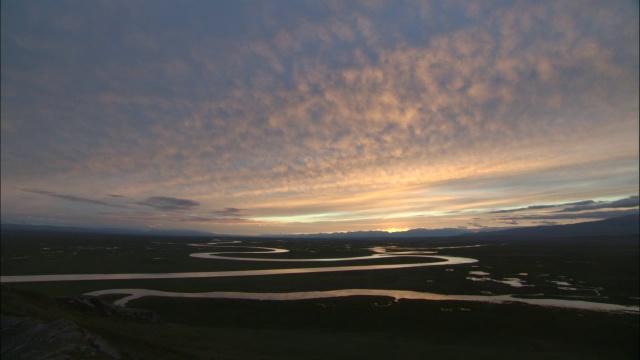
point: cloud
(180, 218)
(209, 220)
(575, 216)
(507, 221)
(631, 201)
(532, 207)
(478, 225)
(73, 198)
(322, 108)
(80, 199)
(168, 203)
(230, 211)
(584, 202)
(39, 191)
(424, 94)
(545, 222)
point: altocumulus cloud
(324, 110)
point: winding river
(133, 294)
(378, 253)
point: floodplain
(537, 298)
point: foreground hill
(35, 326)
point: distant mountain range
(381, 234)
(622, 225)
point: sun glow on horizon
(395, 229)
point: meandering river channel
(378, 253)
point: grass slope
(346, 328)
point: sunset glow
(256, 117)
(393, 229)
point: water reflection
(133, 294)
(448, 260)
(379, 252)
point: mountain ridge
(620, 225)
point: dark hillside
(622, 225)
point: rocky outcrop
(30, 339)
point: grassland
(601, 269)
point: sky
(272, 117)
